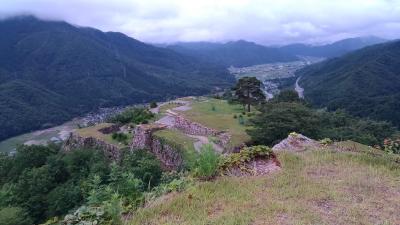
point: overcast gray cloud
(262, 21)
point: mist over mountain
(365, 82)
(236, 53)
(51, 71)
(331, 50)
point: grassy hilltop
(313, 187)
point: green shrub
(326, 141)
(86, 215)
(120, 137)
(14, 216)
(153, 105)
(133, 115)
(245, 155)
(144, 166)
(213, 107)
(178, 183)
(250, 114)
(98, 192)
(207, 162)
(392, 146)
(235, 116)
(63, 198)
(241, 120)
(113, 210)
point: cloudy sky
(264, 21)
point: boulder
(296, 143)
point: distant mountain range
(51, 71)
(331, 50)
(365, 82)
(243, 53)
(236, 53)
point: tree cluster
(41, 182)
(286, 113)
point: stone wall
(223, 138)
(75, 141)
(143, 135)
(193, 128)
(144, 139)
(170, 157)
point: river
(60, 132)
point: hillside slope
(313, 187)
(365, 83)
(51, 71)
(236, 53)
(335, 49)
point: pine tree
(248, 91)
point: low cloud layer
(263, 21)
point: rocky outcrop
(296, 143)
(256, 167)
(75, 141)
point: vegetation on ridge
(286, 113)
(365, 83)
(133, 115)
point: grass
(177, 137)
(313, 187)
(355, 146)
(93, 131)
(218, 114)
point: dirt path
(166, 120)
(202, 140)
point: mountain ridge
(234, 53)
(365, 83)
(334, 49)
(86, 68)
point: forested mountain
(331, 50)
(365, 82)
(243, 53)
(51, 71)
(236, 53)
